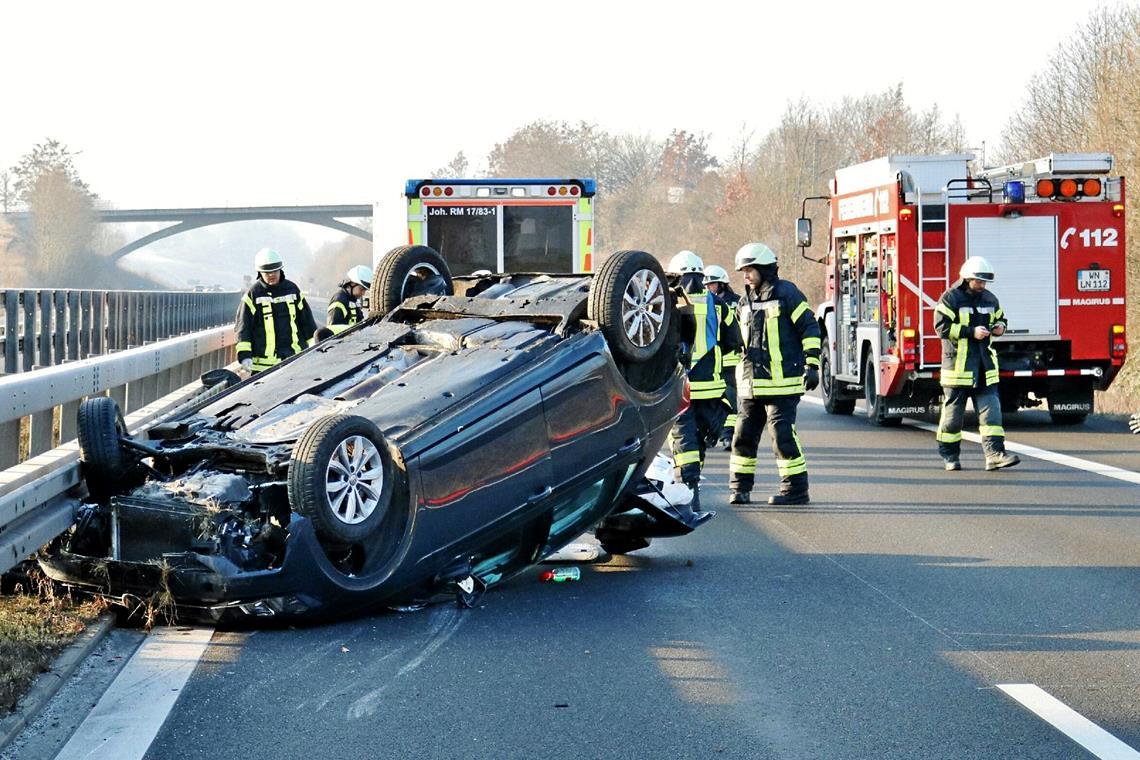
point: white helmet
(713, 273)
(977, 268)
(361, 275)
(268, 260)
(686, 261)
(754, 255)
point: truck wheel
(872, 397)
(1067, 418)
(406, 271)
(341, 477)
(104, 462)
(829, 387)
(630, 301)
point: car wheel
(100, 423)
(406, 271)
(872, 397)
(829, 387)
(629, 299)
(341, 477)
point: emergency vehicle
(900, 229)
(504, 225)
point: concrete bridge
(186, 219)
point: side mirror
(803, 232)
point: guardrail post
(59, 338)
(40, 433)
(98, 340)
(11, 335)
(114, 322)
(45, 328)
(9, 444)
(73, 314)
(29, 344)
(68, 421)
(119, 393)
(85, 298)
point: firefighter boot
(951, 465)
(794, 490)
(740, 497)
(1002, 459)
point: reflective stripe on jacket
(963, 357)
(781, 338)
(273, 323)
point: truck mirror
(803, 232)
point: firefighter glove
(247, 365)
(811, 378)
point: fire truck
(900, 229)
(504, 225)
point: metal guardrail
(134, 378)
(148, 382)
(44, 328)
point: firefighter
(344, 307)
(274, 320)
(716, 280)
(712, 331)
(1134, 423)
(781, 360)
(966, 317)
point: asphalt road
(876, 623)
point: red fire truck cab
(900, 229)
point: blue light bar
(1014, 192)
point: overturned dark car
(476, 427)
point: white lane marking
(1069, 722)
(1096, 468)
(127, 718)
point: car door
(591, 419)
(478, 480)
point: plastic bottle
(560, 575)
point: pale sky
(243, 103)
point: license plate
(1093, 279)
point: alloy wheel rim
(354, 480)
(643, 308)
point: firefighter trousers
(696, 428)
(986, 404)
(778, 414)
(730, 397)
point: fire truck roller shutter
(1023, 253)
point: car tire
(341, 477)
(399, 275)
(829, 387)
(872, 397)
(104, 462)
(630, 302)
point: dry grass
(35, 624)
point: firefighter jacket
(716, 332)
(731, 358)
(273, 323)
(781, 338)
(966, 360)
(344, 310)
